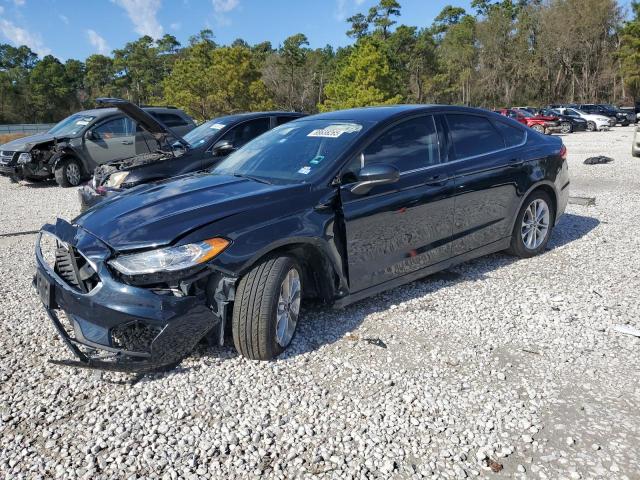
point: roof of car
(227, 119)
(377, 114)
(104, 111)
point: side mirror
(372, 175)
(91, 135)
(222, 148)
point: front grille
(74, 269)
(6, 157)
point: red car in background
(541, 123)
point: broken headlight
(24, 158)
(116, 179)
(169, 259)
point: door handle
(127, 142)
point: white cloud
(19, 3)
(98, 42)
(143, 14)
(19, 36)
(175, 26)
(225, 6)
(64, 19)
(345, 7)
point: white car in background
(594, 122)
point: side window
(473, 135)
(410, 145)
(115, 128)
(245, 132)
(170, 119)
(282, 120)
(512, 135)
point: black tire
(255, 308)
(68, 173)
(591, 126)
(518, 246)
(566, 127)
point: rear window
(512, 135)
(473, 135)
(170, 119)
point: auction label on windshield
(217, 126)
(334, 131)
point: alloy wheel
(73, 173)
(535, 224)
(288, 308)
(565, 127)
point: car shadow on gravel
(321, 325)
(39, 184)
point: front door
(113, 139)
(397, 229)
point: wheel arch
(318, 269)
(545, 186)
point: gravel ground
(500, 368)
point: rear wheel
(266, 308)
(533, 226)
(591, 126)
(68, 173)
(565, 127)
(538, 128)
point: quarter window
(512, 135)
(473, 135)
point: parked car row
(337, 207)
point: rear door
(488, 165)
(400, 228)
(113, 139)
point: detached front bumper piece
(108, 324)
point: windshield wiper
(255, 179)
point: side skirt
(396, 282)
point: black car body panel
(353, 245)
(162, 165)
(577, 124)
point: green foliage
(364, 78)
(208, 81)
(629, 53)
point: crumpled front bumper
(176, 323)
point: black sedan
(337, 207)
(568, 124)
(198, 150)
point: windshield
(71, 125)
(293, 152)
(525, 113)
(204, 133)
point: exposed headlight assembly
(116, 179)
(24, 158)
(169, 259)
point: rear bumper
(117, 326)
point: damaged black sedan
(201, 148)
(337, 207)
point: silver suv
(74, 147)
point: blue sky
(78, 28)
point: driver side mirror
(91, 135)
(372, 175)
(222, 148)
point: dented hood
(25, 144)
(155, 127)
(157, 214)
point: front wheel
(591, 126)
(533, 226)
(538, 128)
(266, 308)
(68, 173)
(565, 127)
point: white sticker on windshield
(217, 126)
(305, 170)
(82, 122)
(334, 131)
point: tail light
(563, 152)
